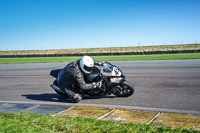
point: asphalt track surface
(162, 84)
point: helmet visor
(89, 69)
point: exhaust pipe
(56, 88)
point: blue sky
(63, 24)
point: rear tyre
(125, 89)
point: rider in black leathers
(71, 78)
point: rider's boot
(74, 97)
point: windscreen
(107, 67)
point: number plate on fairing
(116, 72)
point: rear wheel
(125, 89)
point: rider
(73, 75)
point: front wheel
(125, 89)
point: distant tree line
(101, 54)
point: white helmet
(86, 64)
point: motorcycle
(112, 78)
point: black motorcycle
(112, 78)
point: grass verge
(24, 122)
(100, 58)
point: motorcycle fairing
(117, 80)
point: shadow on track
(46, 97)
(57, 98)
(86, 97)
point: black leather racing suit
(72, 75)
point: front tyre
(125, 89)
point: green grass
(100, 58)
(33, 123)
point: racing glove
(98, 63)
(101, 63)
(96, 84)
